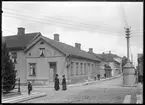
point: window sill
(32, 75)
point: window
(72, 72)
(81, 68)
(85, 72)
(42, 42)
(88, 68)
(14, 57)
(32, 69)
(42, 51)
(92, 68)
(77, 65)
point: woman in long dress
(56, 84)
(64, 83)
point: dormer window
(42, 52)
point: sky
(97, 25)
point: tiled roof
(19, 41)
(71, 50)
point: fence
(17, 83)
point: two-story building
(38, 58)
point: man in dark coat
(56, 84)
(29, 87)
(64, 83)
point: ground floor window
(32, 69)
(72, 72)
(85, 72)
(81, 68)
(77, 70)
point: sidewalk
(80, 84)
(23, 97)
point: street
(109, 91)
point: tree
(8, 70)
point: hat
(63, 76)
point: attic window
(42, 42)
(42, 51)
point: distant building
(113, 60)
(140, 67)
(38, 58)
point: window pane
(32, 69)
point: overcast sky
(97, 25)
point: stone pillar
(128, 74)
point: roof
(107, 57)
(22, 41)
(19, 41)
(71, 50)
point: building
(102, 63)
(140, 67)
(38, 58)
(113, 60)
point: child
(29, 87)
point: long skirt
(64, 86)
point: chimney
(21, 31)
(90, 50)
(78, 45)
(56, 37)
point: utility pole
(127, 30)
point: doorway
(53, 71)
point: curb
(23, 97)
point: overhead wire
(82, 28)
(63, 23)
(40, 14)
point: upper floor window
(14, 57)
(32, 71)
(42, 51)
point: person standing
(56, 84)
(29, 88)
(64, 83)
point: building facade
(39, 59)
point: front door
(53, 71)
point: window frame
(14, 57)
(77, 68)
(32, 72)
(42, 52)
(72, 69)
